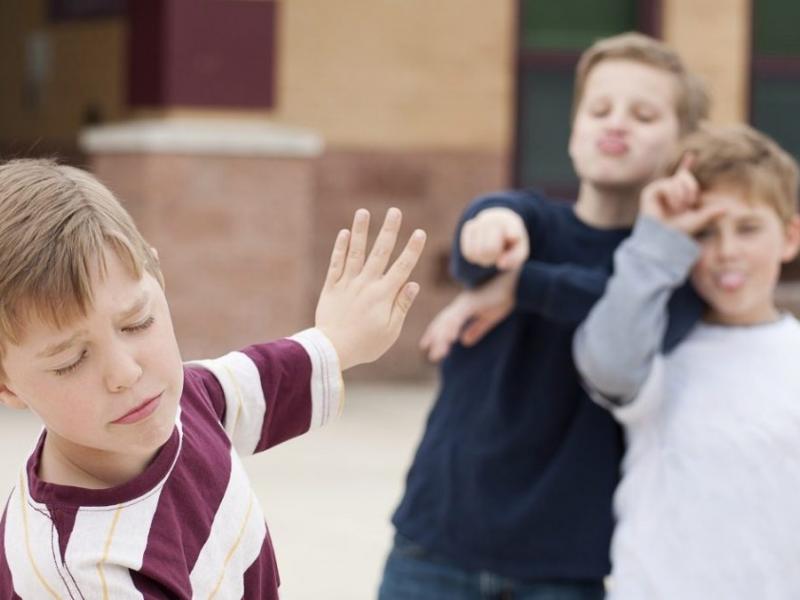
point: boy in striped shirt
(135, 488)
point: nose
(122, 369)
(617, 121)
(727, 244)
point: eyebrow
(135, 307)
(59, 347)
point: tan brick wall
(389, 74)
(713, 36)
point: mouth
(140, 412)
(730, 281)
(612, 146)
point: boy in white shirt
(708, 503)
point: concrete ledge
(212, 137)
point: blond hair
(739, 157)
(55, 224)
(692, 100)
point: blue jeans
(413, 573)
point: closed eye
(140, 326)
(71, 367)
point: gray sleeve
(615, 346)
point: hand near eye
(675, 201)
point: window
(775, 79)
(775, 76)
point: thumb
(513, 257)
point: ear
(155, 252)
(10, 399)
(791, 240)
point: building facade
(242, 134)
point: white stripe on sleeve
(244, 399)
(327, 387)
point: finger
(693, 185)
(690, 188)
(402, 304)
(670, 195)
(435, 328)
(440, 347)
(468, 241)
(426, 339)
(358, 243)
(476, 330)
(683, 195)
(336, 265)
(496, 241)
(513, 257)
(694, 221)
(399, 272)
(686, 163)
(384, 244)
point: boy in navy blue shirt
(509, 495)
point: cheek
(580, 141)
(701, 271)
(659, 145)
(63, 404)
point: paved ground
(327, 496)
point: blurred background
(242, 134)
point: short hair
(56, 221)
(740, 157)
(692, 98)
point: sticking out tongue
(731, 280)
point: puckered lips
(140, 412)
(612, 145)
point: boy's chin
(621, 184)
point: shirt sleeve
(269, 393)
(616, 345)
(559, 292)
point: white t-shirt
(709, 503)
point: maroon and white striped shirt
(189, 526)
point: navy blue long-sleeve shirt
(517, 466)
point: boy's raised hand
(363, 305)
(495, 237)
(675, 201)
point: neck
(607, 207)
(64, 463)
